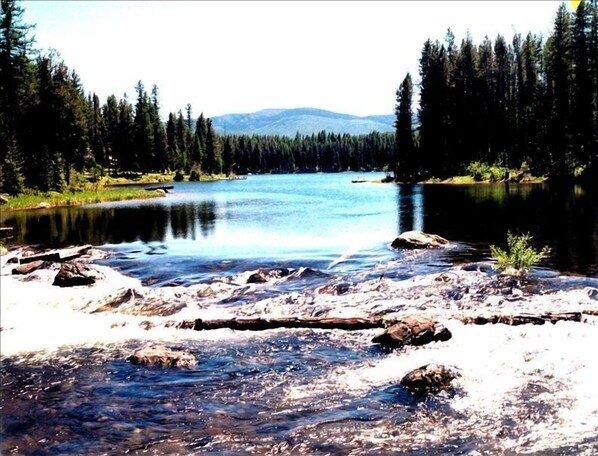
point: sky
(228, 57)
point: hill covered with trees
(288, 122)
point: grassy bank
(55, 199)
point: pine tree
(582, 125)
(16, 73)
(405, 168)
(213, 150)
(559, 78)
(171, 142)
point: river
(67, 387)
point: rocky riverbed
(524, 388)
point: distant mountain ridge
(287, 122)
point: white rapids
(523, 389)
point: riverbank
(55, 199)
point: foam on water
(522, 389)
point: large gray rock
(72, 275)
(153, 355)
(418, 240)
(429, 379)
(412, 330)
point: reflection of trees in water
(565, 218)
(69, 226)
(185, 218)
(410, 207)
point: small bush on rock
(519, 255)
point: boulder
(429, 379)
(27, 268)
(336, 289)
(72, 275)
(43, 205)
(265, 275)
(306, 273)
(3, 199)
(418, 240)
(153, 355)
(412, 330)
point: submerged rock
(153, 355)
(305, 273)
(413, 330)
(429, 379)
(418, 240)
(72, 275)
(335, 289)
(265, 275)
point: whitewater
(68, 387)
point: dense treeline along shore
(529, 103)
(491, 111)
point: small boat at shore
(359, 180)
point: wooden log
(160, 187)
(523, 319)
(360, 323)
(57, 255)
(260, 324)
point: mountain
(287, 122)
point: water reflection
(99, 226)
(564, 218)
(411, 207)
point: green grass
(55, 199)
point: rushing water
(68, 389)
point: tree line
(530, 103)
(49, 127)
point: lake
(67, 387)
(204, 229)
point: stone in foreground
(161, 356)
(265, 275)
(72, 275)
(418, 240)
(413, 330)
(429, 379)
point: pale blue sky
(230, 57)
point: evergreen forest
(531, 103)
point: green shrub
(478, 170)
(485, 172)
(179, 175)
(195, 174)
(519, 254)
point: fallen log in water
(360, 323)
(164, 188)
(261, 324)
(57, 255)
(525, 319)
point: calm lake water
(203, 229)
(526, 389)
